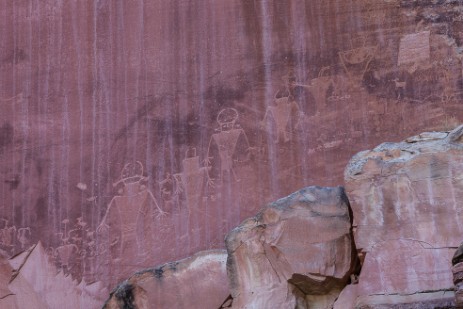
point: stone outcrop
(457, 270)
(407, 222)
(199, 281)
(297, 252)
(30, 280)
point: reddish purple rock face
(133, 133)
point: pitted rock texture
(199, 281)
(407, 219)
(297, 252)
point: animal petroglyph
(229, 145)
(357, 61)
(318, 87)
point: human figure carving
(230, 144)
(281, 112)
(7, 236)
(23, 236)
(192, 179)
(128, 226)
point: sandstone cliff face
(196, 113)
(296, 253)
(227, 105)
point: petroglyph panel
(218, 106)
(414, 47)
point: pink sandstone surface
(297, 252)
(185, 117)
(407, 221)
(199, 281)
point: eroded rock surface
(30, 280)
(407, 222)
(297, 252)
(199, 281)
(457, 270)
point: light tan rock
(457, 270)
(405, 202)
(297, 252)
(34, 282)
(199, 281)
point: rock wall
(193, 114)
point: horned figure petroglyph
(191, 181)
(281, 112)
(227, 147)
(128, 226)
(318, 86)
(356, 62)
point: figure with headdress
(228, 146)
(283, 113)
(128, 226)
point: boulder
(407, 221)
(457, 270)
(199, 281)
(34, 282)
(297, 252)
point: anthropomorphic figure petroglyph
(283, 113)
(229, 145)
(128, 227)
(399, 87)
(192, 180)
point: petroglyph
(23, 236)
(166, 187)
(192, 180)
(129, 222)
(229, 145)
(319, 87)
(7, 235)
(280, 112)
(356, 62)
(414, 48)
(399, 87)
